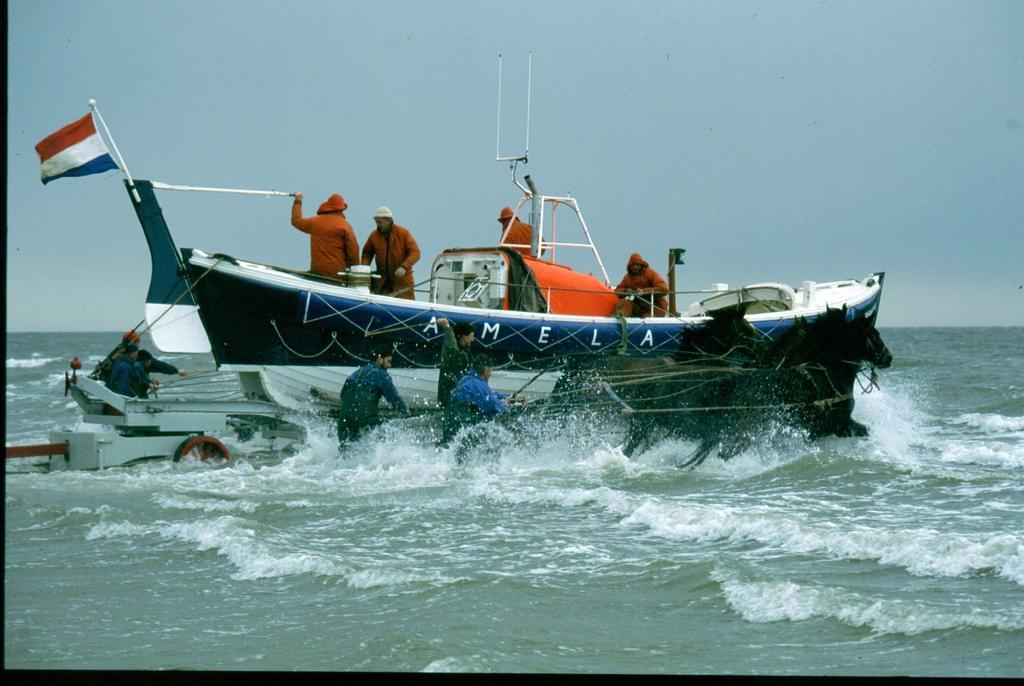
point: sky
(774, 141)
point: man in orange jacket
(642, 283)
(396, 252)
(520, 233)
(332, 242)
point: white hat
(383, 213)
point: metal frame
(151, 428)
(555, 202)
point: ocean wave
(988, 453)
(239, 543)
(903, 435)
(897, 427)
(991, 423)
(469, 663)
(108, 529)
(72, 517)
(180, 502)
(495, 488)
(776, 601)
(29, 363)
(254, 558)
(375, 578)
(920, 552)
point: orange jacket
(647, 281)
(332, 242)
(521, 232)
(394, 249)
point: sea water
(897, 554)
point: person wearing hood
(333, 246)
(519, 233)
(638, 287)
(360, 396)
(395, 251)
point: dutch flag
(75, 150)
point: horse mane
(828, 339)
(726, 335)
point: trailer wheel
(204, 447)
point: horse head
(836, 339)
(876, 352)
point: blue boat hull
(255, 321)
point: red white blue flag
(75, 150)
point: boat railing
(478, 284)
(741, 291)
(592, 290)
(547, 248)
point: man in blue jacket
(472, 401)
(360, 397)
(124, 378)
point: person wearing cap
(145, 365)
(456, 357)
(518, 233)
(472, 401)
(360, 396)
(333, 246)
(395, 251)
(638, 287)
(124, 379)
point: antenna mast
(514, 161)
(529, 93)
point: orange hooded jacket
(520, 233)
(332, 242)
(647, 281)
(394, 249)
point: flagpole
(120, 160)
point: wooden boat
(288, 333)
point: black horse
(727, 382)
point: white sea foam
(992, 423)
(74, 516)
(921, 552)
(235, 539)
(180, 502)
(903, 435)
(469, 663)
(29, 363)
(495, 488)
(374, 578)
(983, 453)
(255, 558)
(897, 427)
(608, 458)
(775, 601)
(108, 529)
